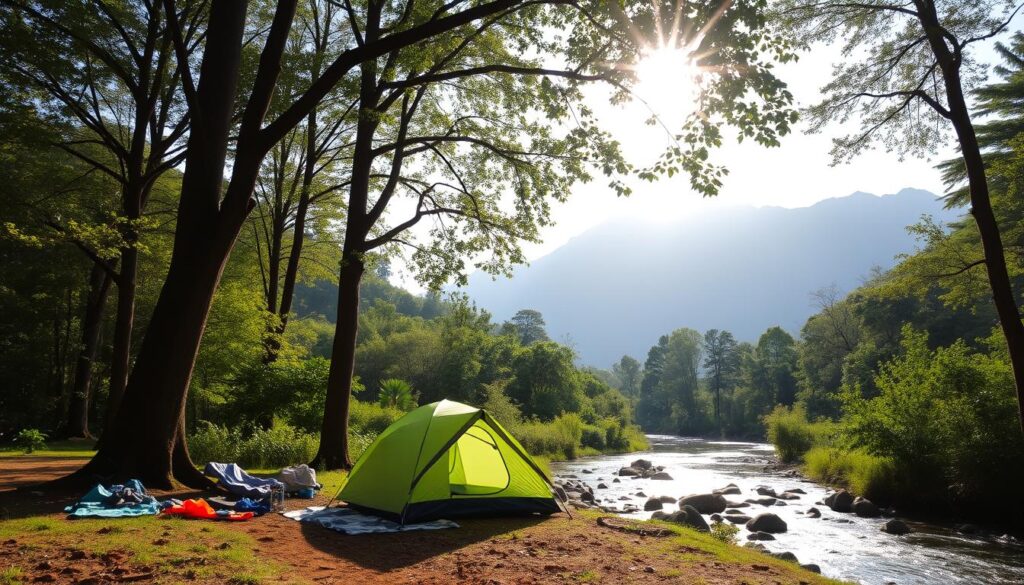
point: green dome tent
(447, 459)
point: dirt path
(558, 549)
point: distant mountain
(615, 288)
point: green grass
(72, 449)
(862, 473)
(225, 553)
(11, 576)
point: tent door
(476, 466)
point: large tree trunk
(77, 425)
(981, 203)
(146, 439)
(333, 451)
(124, 324)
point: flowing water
(843, 545)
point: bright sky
(796, 174)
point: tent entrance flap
(477, 466)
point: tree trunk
(981, 204)
(124, 324)
(77, 425)
(333, 451)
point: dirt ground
(558, 549)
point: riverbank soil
(37, 544)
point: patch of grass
(77, 449)
(170, 545)
(863, 473)
(587, 576)
(11, 576)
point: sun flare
(667, 82)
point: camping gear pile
(441, 460)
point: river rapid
(843, 545)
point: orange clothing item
(201, 509)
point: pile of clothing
(118, 501)
(201, 509)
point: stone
(733, 504)
(841, 501)
(897, 527)
(737, 518)
(587, 497)
(864, 508)
(662, 475)
(811, 567)
(560, 492)
(764, 491)
(602, 486)
(728, 490)
(767, 522)
(641, 495)
(760, 536)
(587, 471)
(732, 511)
(765, 501)
(716, 518)
(786, 556)
(616, 480)
(788, 496)
(667, 499)
(705, 503)
(781, 503)
(653, 504)
(813, 513)
(688, 516)
(796, 491)
(756, 546)
(629, 472)
(641, 464)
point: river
(856, 550)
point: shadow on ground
(389, 552)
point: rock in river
(840, 501)
(652, 504)
(767, 522)
(813, 513)
(897, 527)
(737, 518)
(865, 509)
(705, 503)
(760, 536)
(641, 464)
(688, 516)
(661, 475)
(630, 472)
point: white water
(856, 550)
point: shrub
(790, 432)
(499, 405)
(278, 446)
(594, 437)
(370, 418)
(863, 473)
(30, 440)
(725, 532)
(396, 393)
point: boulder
(840, 501)
(732, 511)
(788, 496)
(587, 497)
(756, 546)
(796, 491)
(729, 490)
(781, 503)
(666, 499)
(689, 516)
(661, 475)
(765, 501)
(767, 522)
(897, 527)
(865, 509)
(737, 518)
(811, 567)
(560, 492)
(733, 504)
(629, 472)
(641, 464)
(641, 495)
(786, 556)
(813, 513)
(587, 471)
(705, 503)
(760, 536)
(616, 480)
(659, 515)
(764, 491)
(716, 518)
(653, 504)
(602, 486)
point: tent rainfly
(443, 460)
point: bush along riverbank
(936, 438)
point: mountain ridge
(639, 280)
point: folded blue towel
(120, 501)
